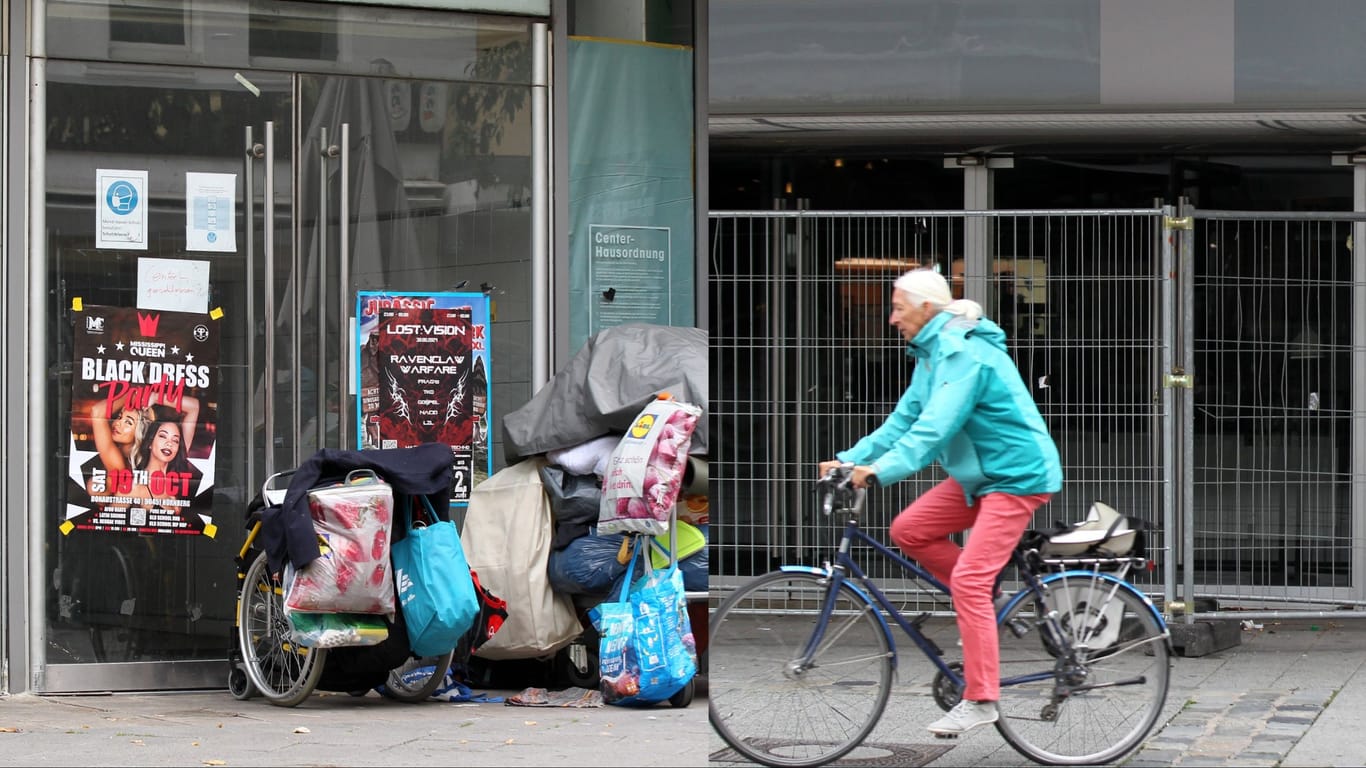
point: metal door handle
(328, 151)
(253, 151)
(344, 286)
(268, 281)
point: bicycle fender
(881, 620)
(1156, 614)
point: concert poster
(423, 377)
(143, 422)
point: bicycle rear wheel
(1115, 692)
(284, 672)
(766, 707)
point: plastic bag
(587, 566)
(574, 501)
(353, 574)
(645, 472)
(336, 630)
(647, 652)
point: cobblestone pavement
(1256, 728)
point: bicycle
(804, 657)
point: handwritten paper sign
(174, 285)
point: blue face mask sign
(122, 198)
(122, 215)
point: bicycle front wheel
(776, 708)
(1099, 708)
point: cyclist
(968, 407)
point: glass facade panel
(300, 36)
(1286, 56)
(437, 139)
(888, 56)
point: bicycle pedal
(946, 736)
(1018, 628)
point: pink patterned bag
(353, 575)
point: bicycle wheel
(281, 671)
(418, 678)
(1116, 688)
(767, 708)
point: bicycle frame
(845, 570)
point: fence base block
(1202, 638)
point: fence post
(1358, 399)
(1183, 399)
(1171, 525)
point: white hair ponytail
(965, 308)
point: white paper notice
(121, 209)
(173, 285)
(210, 222)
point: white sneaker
(964, 717)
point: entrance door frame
(27, 481)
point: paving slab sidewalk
(337, 729)
(1292, 693)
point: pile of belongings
(579, 419)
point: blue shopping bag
(647, 652)
(435, 589)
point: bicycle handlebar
(838, 490)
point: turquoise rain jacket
(967, 407)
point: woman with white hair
(967, 407)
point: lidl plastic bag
(645, 472)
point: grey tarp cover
(606, 384)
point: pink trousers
(997, 521)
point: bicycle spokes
(1089, 684)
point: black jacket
(287, 530)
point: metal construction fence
(1197, 370)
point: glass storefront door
(207, 229)
(129, 584)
